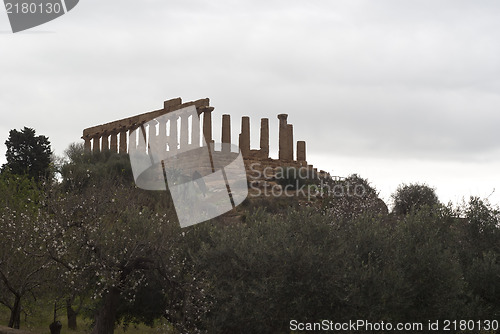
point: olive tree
(414, 196)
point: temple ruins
(182, 133)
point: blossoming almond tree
(24, 264)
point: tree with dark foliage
(413, 196)
(28, 154)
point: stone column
(172, 138)
(151, 142)
(88, 145)
(114, 143)
(301, 151)
(264, 138)
(184, 132)
(283, 134)
(162, 135)
(207, 126)
(141, 143)
(162, 128)
(105, 143)
(226, 133)
(289, 154)
(123, 142)
(132, 141)
(95, 144)
(245, 136)
(195, 131)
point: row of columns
(109, 141)
(285, 138)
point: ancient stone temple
(182, 133)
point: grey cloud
(386, 78)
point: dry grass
(39, 324)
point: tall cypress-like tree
(27, 153)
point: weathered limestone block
(172, 103)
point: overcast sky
(396, 91)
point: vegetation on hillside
(113, 253)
